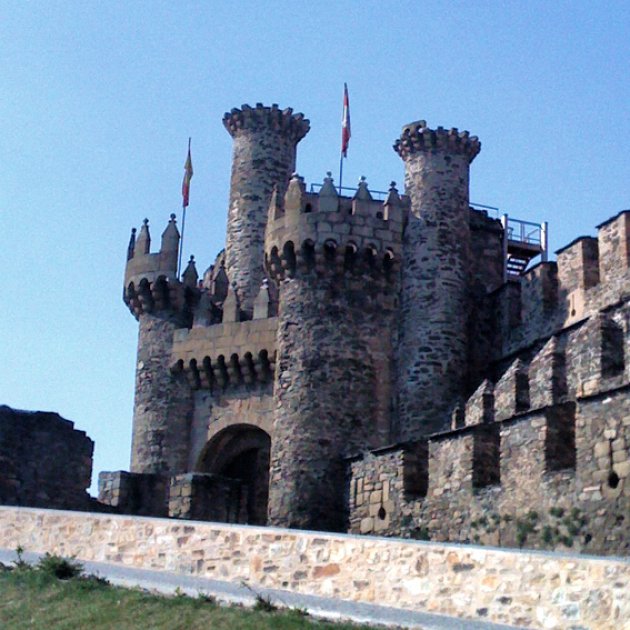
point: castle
(389, 365)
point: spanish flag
(188, 173)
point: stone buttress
(265, 141)
(336, 262)
(161, 303)
(433, 349)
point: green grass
(35, 598)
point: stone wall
(163, 401)
(44, 460)
(134, 493)
(265, 141)
(590, 274)
(556, 478)
(435, 295)
(529, 589)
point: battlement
(151, 282)
(590, 275)
(416, 137)
(228, 354)
(325, 231)
(258, 118)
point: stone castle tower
(340, 364)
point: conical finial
(170, 236)
(392, 196)
(190, 275)
(275, 204)
(293, 200)
(328, 188)
(132, 244)
(363, 193)
(143, 244)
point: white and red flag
(188, 173)
(345, 122)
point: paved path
(231, 593)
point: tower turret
(436, 249)
(160, 303)
(265, 141)
(336, 263)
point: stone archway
(241, 452)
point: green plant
(264, 604)
(20, 563)
(207, 598)
(420, 533)
(61, 568)
(558, 512)
(547, 535)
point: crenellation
(511, 393)
(383, 362)
(480, 406)
(548, 375)
(613, 239)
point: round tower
(265, 141)
(433, 346)
(336, 264)
(161, 304)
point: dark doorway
(241, 452)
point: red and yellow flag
(188, 173)
(345, 122)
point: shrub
(61, 568)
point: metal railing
(378, 195)
(525, 232)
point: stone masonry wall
(163, 401)
(265, 141)
(529, 589)
(324, 392)
(234, 407)
(433, 350)
(542, 498)
(44, 460)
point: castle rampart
(408, 341)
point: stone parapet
(226, 354)
(151, 283)
(591, 274)
(320, 232)
(526, 589)
(259, 118)
(416, 137)
(552, 478)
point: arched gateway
(241, 452)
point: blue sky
(98, 101)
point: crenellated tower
(161, 303)
(433, 351)
(336, 262)
(265, 141)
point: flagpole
(340, 172)
(181, 240)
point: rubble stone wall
(528, 589)
(44, 460)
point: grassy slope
(32, 599)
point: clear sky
(98, 99)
